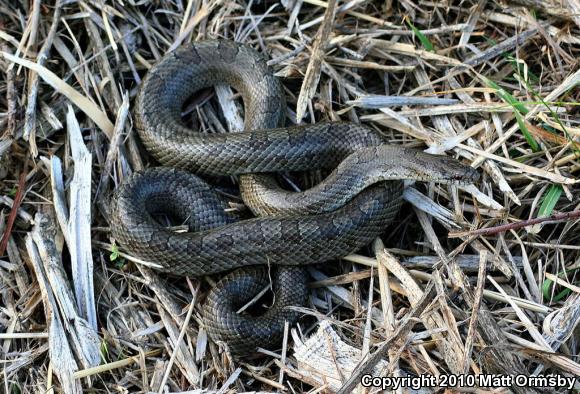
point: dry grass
(491, 83)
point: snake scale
(351, 207)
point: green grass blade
(508, 98)
(554, 114)
(550, 200)
(527, 135)
(114, 252)
(518, 68)
(422, 37)
(547, 288)
(519, 109)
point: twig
(29, 133)
(557, 217)
(10, 99)
(83, 373)
(312, 75)
(61, 355)
(115, 142)
(12, 217)
(506, 45)
(178, 343)
(476, 305)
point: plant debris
(477, 279)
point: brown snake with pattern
(340, 215)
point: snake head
(446, 169)
(395, 162)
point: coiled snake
(345, 212)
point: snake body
(343, 213)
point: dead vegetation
(478, 279)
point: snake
(289, 230)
